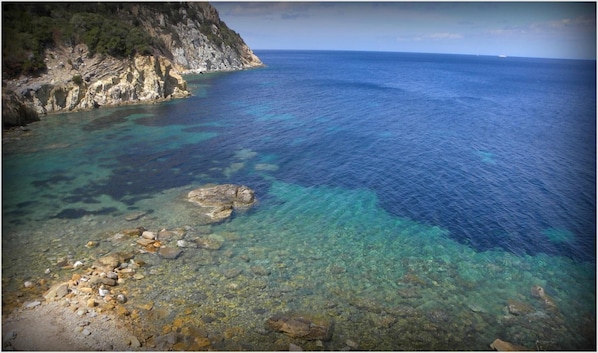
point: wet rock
(260, 270)
(14, 111)
(133, 232)
(352, 344)
(109, 262)
(518, 308)
(220, 200)
(31, 305)
(135, 216)
(232, 272)
(57, 291)
(539, 292)
(301, 326)
(144, 241)
(169, 252)
(210, 242)
(183, 244)
(101, 280)
(148, 235)
(503, 346)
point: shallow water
(410, 201)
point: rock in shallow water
(169, 252)
(302, 326)
(222, 199)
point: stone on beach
(222, 199)
(58, 290)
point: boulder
(220, 200)
(503, 346)
(307, 327)
(169, 253)
(15, 112)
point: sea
(416, 201)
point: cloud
(564, 25)
(445, 35)
(431, 36)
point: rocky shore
(151, 287)
(75, 81)
(189, 38)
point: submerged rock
(169, 252)
(518, 308)
(503, 346)
(303, 327)
(539, 292)
(220, 200)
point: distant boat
(502, 56)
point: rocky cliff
(90, 69)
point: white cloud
(581, 23)
(431, 36)
(445, 35)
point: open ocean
(409, 197)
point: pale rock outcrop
(192, 37)
(220, 200)
(102, 81)
(192, 49)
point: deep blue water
(501, 152)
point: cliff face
(185, 37)
(196, 39)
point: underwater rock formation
(220, 200)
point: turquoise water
(324, 237)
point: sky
(526, 29)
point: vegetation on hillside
(29, 28)
(108, 28)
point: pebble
(86, 332)
(103, 291)
(138, 276)
(47, 271)
(121, 298)
(78, 264)
(352, 344)
(144, 241)
(28, 284)
(294, 348)
(30, 305)
(134, 342)
(90, 244)
(148, 235)
(112, 275)
(91, 303)
(81, 312)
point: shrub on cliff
(28, 28)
